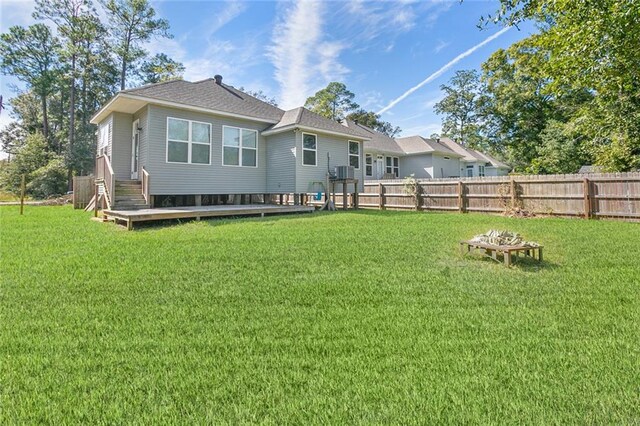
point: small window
(368, 164)
(393, 166)
(239, 147)
(309, 149)
(480, 170)
(188, 141)
(469, 171)
(354, 154)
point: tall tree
(461, 108)
(160, 68)
(133, 22)
(373, 121)
(593, 46)
(72, 18)
(334, 101)
(259, 94)
(30, 54)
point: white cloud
(441, 45)
(212, 57)
(433, 101)
(302, 58)
(16, 13)
(425, 130)
(442, 70)
(231, 10)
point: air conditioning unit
(344, 172)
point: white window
(469, 171)
(188, 141)
(393, 166)
(368, 164)
(354, 154)
(239, 147)
(480, 170)
(309, 149)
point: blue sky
(290, 49)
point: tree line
(72, 61)
(566, 96)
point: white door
(379, 167)
(135, 150)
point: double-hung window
(239, 147)
(354, 154)
(368, 164)
(309, 149)
(188, 141)
(480, 170)
(393, 166)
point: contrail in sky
(442, 70)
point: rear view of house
(177, 141)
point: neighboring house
(386, 157)
(475, 163)
(185, 138)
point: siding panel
(337, 148)
(281, 163)
(170, 178)
(121, 148)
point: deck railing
(105, 175)
(145, 185)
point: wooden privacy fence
(83, 191)
(615, 195)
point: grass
(359, 317)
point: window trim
(307, 149)
(366, 155)
(394, 169)
(349, 154)
(240, 147)
(481, 172)
(188, 142)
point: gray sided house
(389, 158)
(182, 138)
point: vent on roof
(218, 78)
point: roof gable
(307, 120)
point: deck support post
(345, 202)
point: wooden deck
(129, 217)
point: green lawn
(359, 317)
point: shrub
(49, 181)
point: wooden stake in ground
(22, 187)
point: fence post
(22, 188)
(460, 196)
(586, 185)
(381, 193)
(512, 189)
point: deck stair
(129, 196)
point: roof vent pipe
(218, 78)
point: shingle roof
(304, 118)
(419, 145)
(489, 159)
(379, 141)
(472, 155)
(467, 155)
(208, 94)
